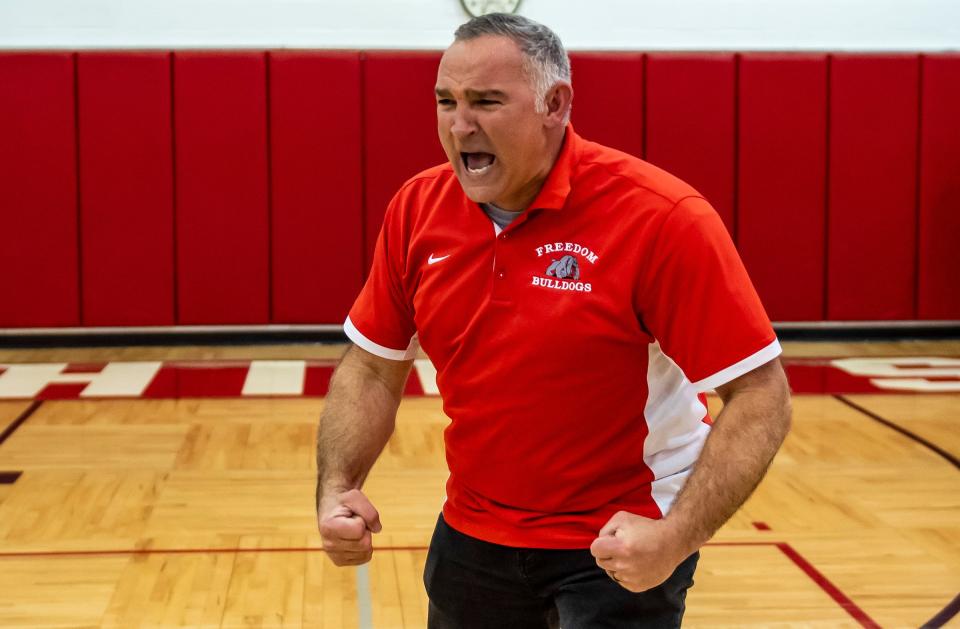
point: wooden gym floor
(198, 512)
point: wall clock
(482, 7)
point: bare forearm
(357, 421)
(744, 439)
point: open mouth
(478, 163)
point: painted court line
(275, 377)
(363, 577)
(309, 378)
(827, 586)
(185, 551)
(9, 478)
(364, 603)
(24, 416)
(952, 460)
(944, 615)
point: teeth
(475, 171)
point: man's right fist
(346, 521)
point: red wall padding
(126, 188)
(872, 187)
(246, 187)
(781, 179)
(220, 108)
(400, 128)
(38, 191)
(316, 160)
(690, 123)
(608, 99)
(939, 256)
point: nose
(464, 123)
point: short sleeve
(698, 302)
(381, 319)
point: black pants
(473, 584)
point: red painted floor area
(305, 378)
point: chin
(478, 194)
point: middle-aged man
(577, 302)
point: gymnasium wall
(845, 25)
(247, 187)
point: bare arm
(746, 435)
(357, 420)
(642, 553)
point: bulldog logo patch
(566, 268)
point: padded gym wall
(126, 188)
(248, 187)
(317, 209)
(400, 129)
(608, 99)
(39, 274)
(938, 271)
(871, 232)
(690, 123)
(781, 181)
(220, 118)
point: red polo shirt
(571, 347)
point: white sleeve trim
(734, 371)
(376, 349)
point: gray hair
(545, 59)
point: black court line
(9, 478)
(953, 607)
(944, 615)
(24, 416)
(951, 459)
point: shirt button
(501, 274)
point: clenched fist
(637, 552)
(346, 522)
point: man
(577, 303)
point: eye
(487, 102)
(445, 102)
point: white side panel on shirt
(676, 435)
(428, 376)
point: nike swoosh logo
(432, 260)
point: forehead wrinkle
(448, 86)
(474, 93)
(484, 93)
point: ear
(558, 102)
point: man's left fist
(637, 552)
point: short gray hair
(545, 59)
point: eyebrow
(475, 94)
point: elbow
(787, 415)
(778, 404)
(786, 409)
